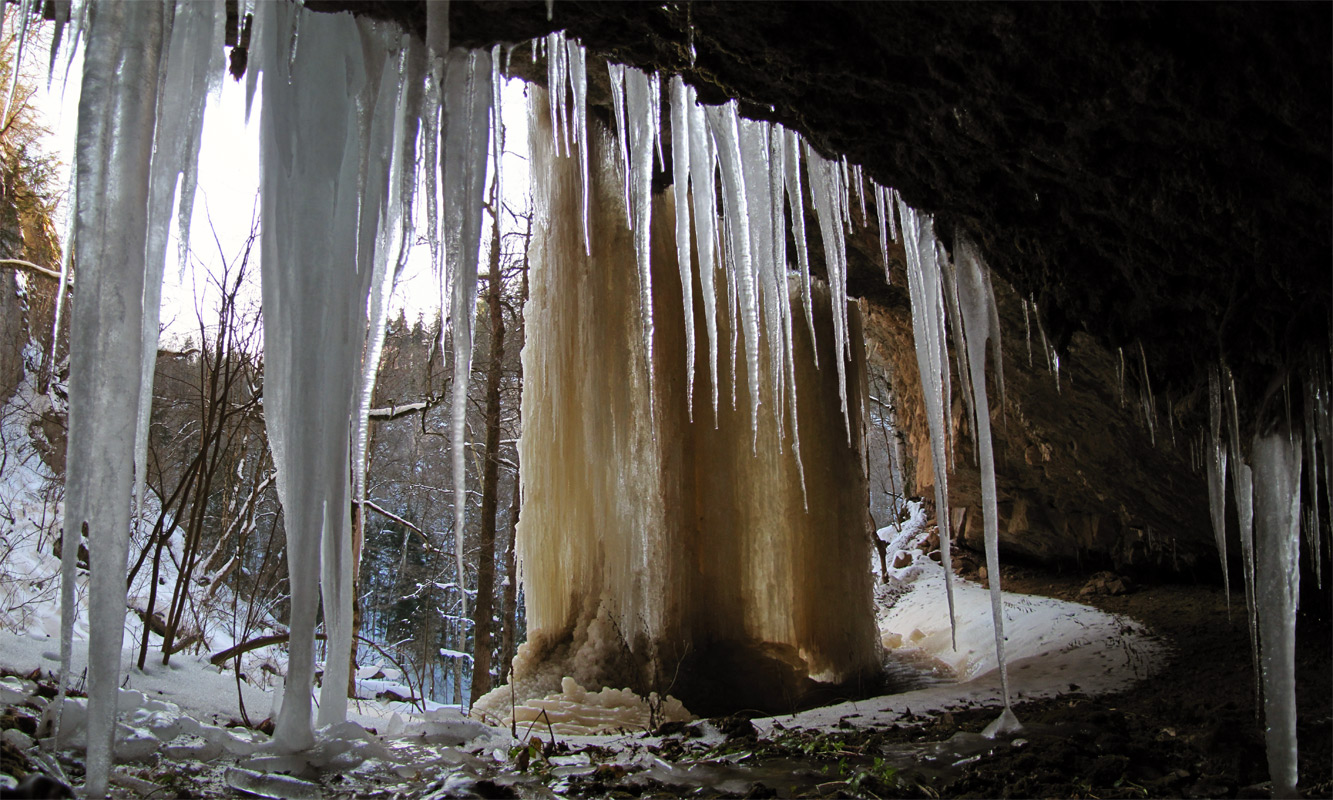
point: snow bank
(1053, 646)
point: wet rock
(1106, 583)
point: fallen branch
(219, 659)
(37, 268)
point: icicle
(393, 234)
(726, 132)
(1120, 370)
(313, 329)
(497, 128)
(258, 45)
(826, 195)
(389, 114)
(62, 10)
(891, 197)
(1277, 503)
(550, 9)
(842, 180)
(1217, 476)
(976, 302)
(578, 77)
(960, 351)
(923, 283)
(639, 91)
(1146, 397)
(754, 138)
(655, 103)
(556, 67)
(617, 73)
(859, 182)
(16, 66)
(194, 57)
(117, 106)
(63, 287)
(467, 106)
(882, 207)
(703, 158)
(777, 178)
(1312, 528)
(791, 162)
(680, 171)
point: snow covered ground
(180, 713)
(1053, 646)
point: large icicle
(467, 107)
(791, 164)
(393, 239)
(703, 158)
(1277, 516)
(680, 174)
(640, 89)
(556, 92)
(1216, 465)
(723, 122)
(923, 284)
(617, 75)
(759, 201)
(578, 79)
(194, 59)
(826, 192)
(1242, 484)
(976, 302)
(117, 109)
(885, 212)
(314, 315)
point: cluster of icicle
(1270, 510)
(339, 183)
(761, 180)
(344, 101)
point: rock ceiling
(1149, 173)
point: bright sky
(228, 188)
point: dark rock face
(1080, 481)
(1150, 173)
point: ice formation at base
(575, 711)
(647, 542)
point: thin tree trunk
(484, 608)
(509, 611)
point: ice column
(467, 107)
(680, 173)
(976, 301)
(1277, 516)
(1216, 465)
(114, 152)
(924, 287)
(314, 312)
(640, 89)
(641, 533)
(703, 168)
